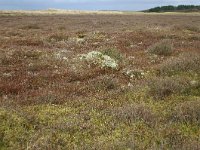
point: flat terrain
(142, 90)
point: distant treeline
(171, 8)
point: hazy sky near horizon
(90, 4)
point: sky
(90, 4)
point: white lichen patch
(77, 40)
(80, 40)
(61, 55)
(33, 74)
(194, 83)
(136, 73)
(97, 58)
(7, 74)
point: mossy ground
(152, 126)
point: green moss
(14, 128)
(89, 125)
(49, 114)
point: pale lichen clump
(97, 58)
(61, 55)
(134, 74)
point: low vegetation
(161, 88)
(163, 48)
(99, 82)
(185, 62)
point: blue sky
(89, 4)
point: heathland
(109, 80)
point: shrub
(61, 28)
(133, 113)
(189, 61)
(164, 48)
(5, 60)
(191, 28)
(174, 139)
(58, 37)
(12, 87)
(19, 56)
(106, 83)
(187, 112)
(81, 34)
(160, 88)
(30, 26)
(114, 53)
(193, 144)
(29, 42)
